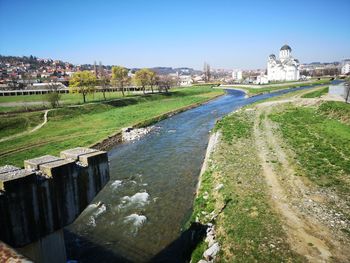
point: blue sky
(140, 33)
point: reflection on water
(152, 186)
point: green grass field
(88, 124)
(11, 125)
(317, 93)
(70, 98)
(320, 138)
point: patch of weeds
(336, 110)
(234, 126)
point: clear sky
(147, 33)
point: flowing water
(150, 195)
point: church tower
(285, 52)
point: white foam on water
(116, 184)
(138, 199)
(102, 209)
(92, 221)
(135, 219)
(90, 208)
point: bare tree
(53, 96)
(103, 79)
(206, 70)
(165, 83)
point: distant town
(30, 72)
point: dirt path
(307, 235)
(27, 132)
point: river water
(153, 181)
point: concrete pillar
(49, 194)
(49, 249)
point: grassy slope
(83, 126)
(317, 93)
(267, 89)
(10, 125)
(248, 230)
(320, 138)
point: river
(153, 181)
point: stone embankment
(213, 246)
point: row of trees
(85, 82)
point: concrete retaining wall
(49, 193)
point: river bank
(153, 182)
(116, 138)
(89, 124)
(281, 199)
(255, 90)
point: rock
(130, 134)
(218, 187)
(211, 252)
(210, 239)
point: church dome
(286, 47)
(272, 56)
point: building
(237, 75)
(185, 81)
(286, 68)
(261, 79)
(345, 69)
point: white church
(286, 68)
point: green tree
(142, 78)
(120, 77)
(83, 82)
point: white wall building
(185, 80)
(286, 68)
(345, 68)
(237, 75)
(262, 79)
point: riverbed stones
(213, 249)
(131, 134)
(211, 252)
